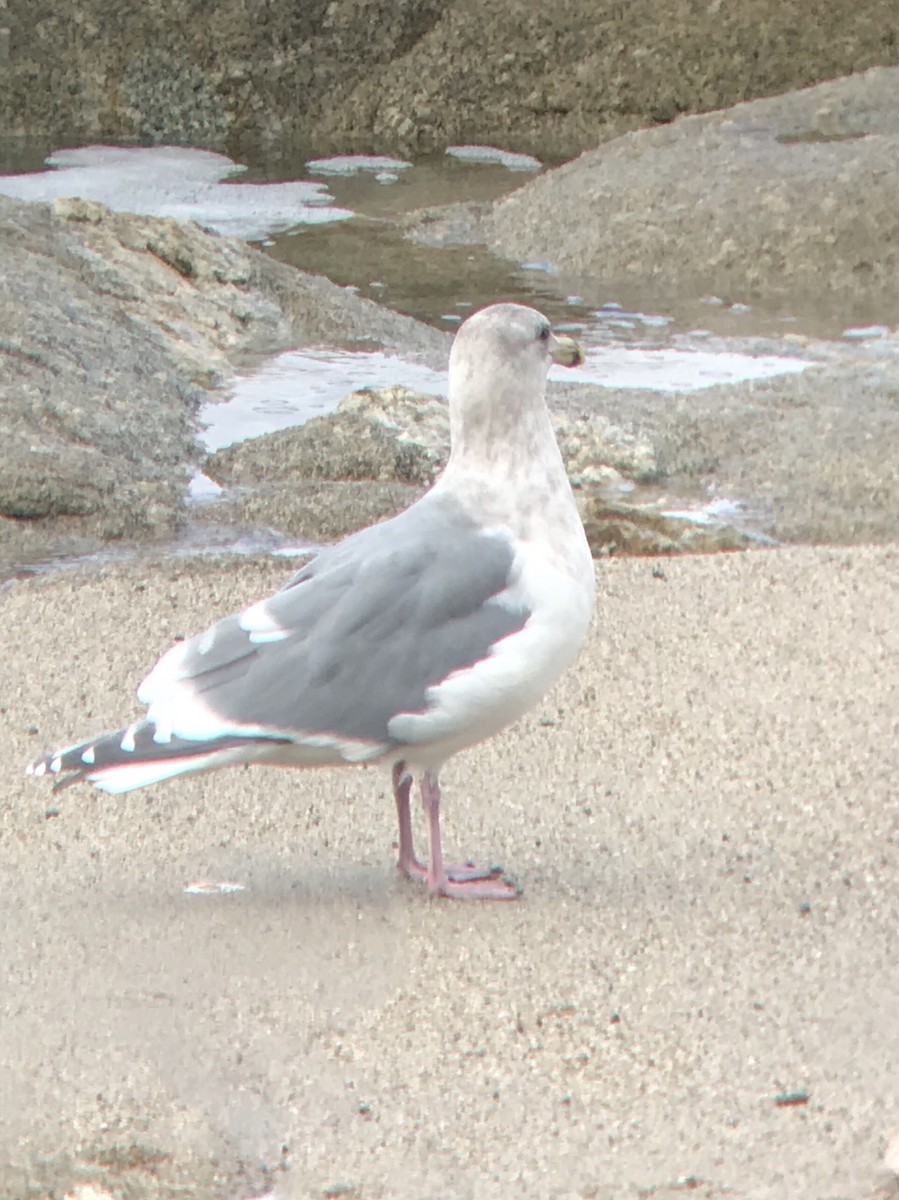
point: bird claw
(465, 872)
(482, 888)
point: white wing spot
(37, 769)
(206, 641)
(259, 638)
(56, 765)
(258, 622)
(88, 756)
(127, 742)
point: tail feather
(131, 757)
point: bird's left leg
(402, 786)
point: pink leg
(402, 786)
(444, 882)
(407, 863)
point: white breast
(478, 701)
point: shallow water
(290, 388)
(337, 217)
(171, 181)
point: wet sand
(703, 816)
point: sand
(704, 819)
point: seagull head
(497, 373)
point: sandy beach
(703, 817)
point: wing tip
(54, 766)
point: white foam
(494, 156)
(173, 181)
(864, 332)
(202, 489)
(353, 164)
(292, 387)
(216, 887)
(670, 370)
(719, 511)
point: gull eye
(544, 332)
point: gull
(407, 641)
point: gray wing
(358, 635)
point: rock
(415, 74)
(207, 299)
(396, 436)
(95, 421)
(319, 511)
(599, 453)
(617, 528)
(400, 434)
(418, 424)
(391, 435)
(810, 456)
(775, 200)
(114, 327)
(45, 476)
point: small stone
(891, 1154)
(791, 1099)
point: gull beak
(566, 352)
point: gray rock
(113, 328)
(618, 528)
(413, 74)
(599, 453)
(313, 510)
(779, 200)
(95, 420)
(389, 434)
(813, 456)
(378, 440)
(400, 434)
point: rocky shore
(118, 327)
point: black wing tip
(68, 766)
(53, 766)
(61, 782)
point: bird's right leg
(465, 882)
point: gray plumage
(371, 624)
